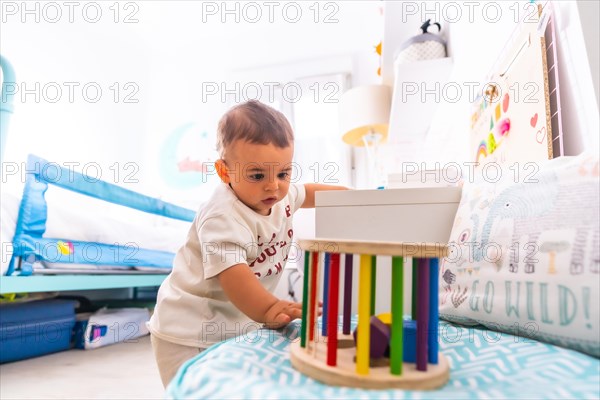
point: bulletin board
(511, 116)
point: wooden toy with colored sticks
(334, 357)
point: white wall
(89, 126)
(168, 53)
(476, 36)
(588, 13)
(578, 74)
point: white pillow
(525, 256)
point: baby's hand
(282, 313)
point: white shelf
(400, 25)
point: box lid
(432, 195)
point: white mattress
(74, 224)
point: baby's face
(259, 174)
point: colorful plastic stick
(373, 282)
(303, 327)
(347, 294)
(313, 295)
(422, 313)
(396, 343)
(364, 311)
(333, 300)
(325, 294)
(433, 310)
(413, 303)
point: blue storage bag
(35, 328)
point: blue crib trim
(44, 171)
(29, 244)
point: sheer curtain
(320, 154)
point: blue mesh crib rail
(29, 245)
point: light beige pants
(170, 356)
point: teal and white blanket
(484, 364)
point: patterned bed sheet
(484, 364)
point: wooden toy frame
(332, 361)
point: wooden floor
(120, 371)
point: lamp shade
(365, 110)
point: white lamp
(364, 118)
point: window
(320, 154)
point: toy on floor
(389, 352)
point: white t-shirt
(192, 308)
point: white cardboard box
(403, 215)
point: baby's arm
(251, 298)
(311, 188)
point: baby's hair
(256, 123)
